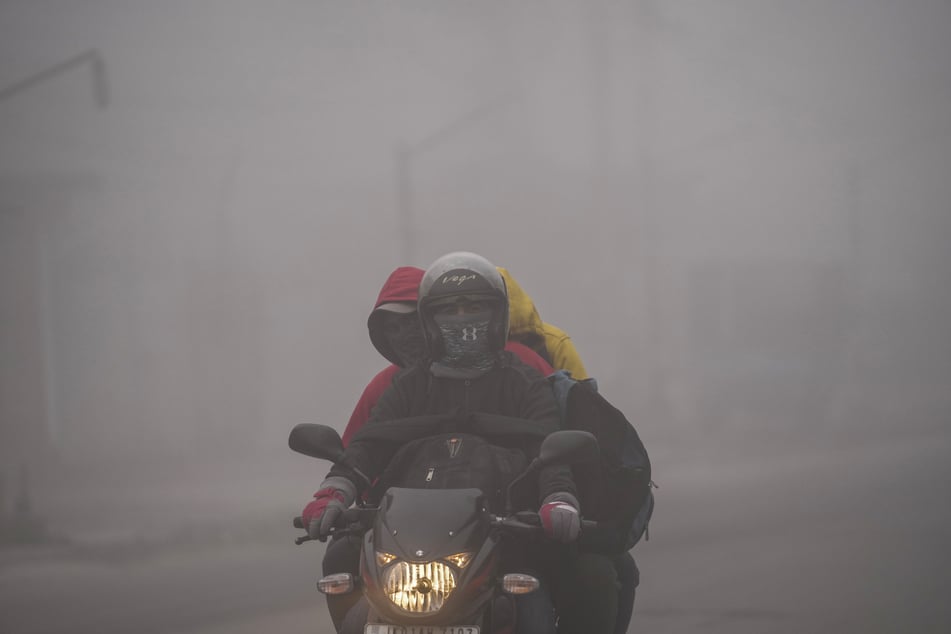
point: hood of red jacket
(401, 286)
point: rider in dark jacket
(397, 334)
(463, 307)
(509, 389)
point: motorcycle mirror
(568, 446)
(316, 441)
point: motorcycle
(430, 558)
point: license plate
(385, 628)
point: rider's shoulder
(514, 366)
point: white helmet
(464, 275)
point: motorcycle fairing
(459, 524)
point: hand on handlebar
(322, 512)
(354, 521)
(560, 517)
(531, 522)
(331, 500)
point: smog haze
(740, 212)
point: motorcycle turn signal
(341, 583)
(515, 583)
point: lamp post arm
(92, 57)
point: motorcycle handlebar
(531, 522)
(350, 521)
(523, 521)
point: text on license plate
(385, 628)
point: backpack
(454, 461)
(616, 490)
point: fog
(739, 211)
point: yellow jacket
(526, 326)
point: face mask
(404, 334)
(466, 340)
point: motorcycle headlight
(460, 560)
(419, 588)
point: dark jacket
(512, 405)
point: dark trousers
(593, 593)
(628, 577)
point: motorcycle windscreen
(430, 523)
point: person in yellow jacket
(526, 327)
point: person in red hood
(396, 333)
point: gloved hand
(560, 517)
(331, 500)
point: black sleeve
(368, 454)
(538, 403)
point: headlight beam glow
(419, 588)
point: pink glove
(329, 503)
(560, 518)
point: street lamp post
(100, 86)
